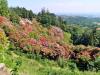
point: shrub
(4, 10)
(97, 64)
(14, 17)
(71, 65)
(67, 38)
(34, 35)
(16, 66)
(79, 48)
(4, 44)
(84, 64)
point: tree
(4, 10)
(14, 17)
(86, 37)
(76, 32)
(23, 12)
(46, 18)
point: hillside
(82, 21)
(47, 44)
(28, 64)
(43, 44)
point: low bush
(97, 64)
(4, 44)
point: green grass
(37, 66)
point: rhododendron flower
(32, 41)
(1, 19)
(26, 29)
(43, 41)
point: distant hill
(82, 21)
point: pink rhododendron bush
(31, 36)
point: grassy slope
(37, 66)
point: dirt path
(4, 70)
(4, 73)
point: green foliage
(60, 62)
(31, 61)
(16, 66)
(14, 17)
(72, 65)
(76, 34)
(78, 48)
(97, 64)
(85, 39)
(34, 35)
(4, 11)
(20, 63)
(82, 21)
(89, 65)
(4, 44)
(90, 37)
(23, 12)
(47, 18)
(67, 37)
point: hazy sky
(59, 6)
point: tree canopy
(4, 10)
